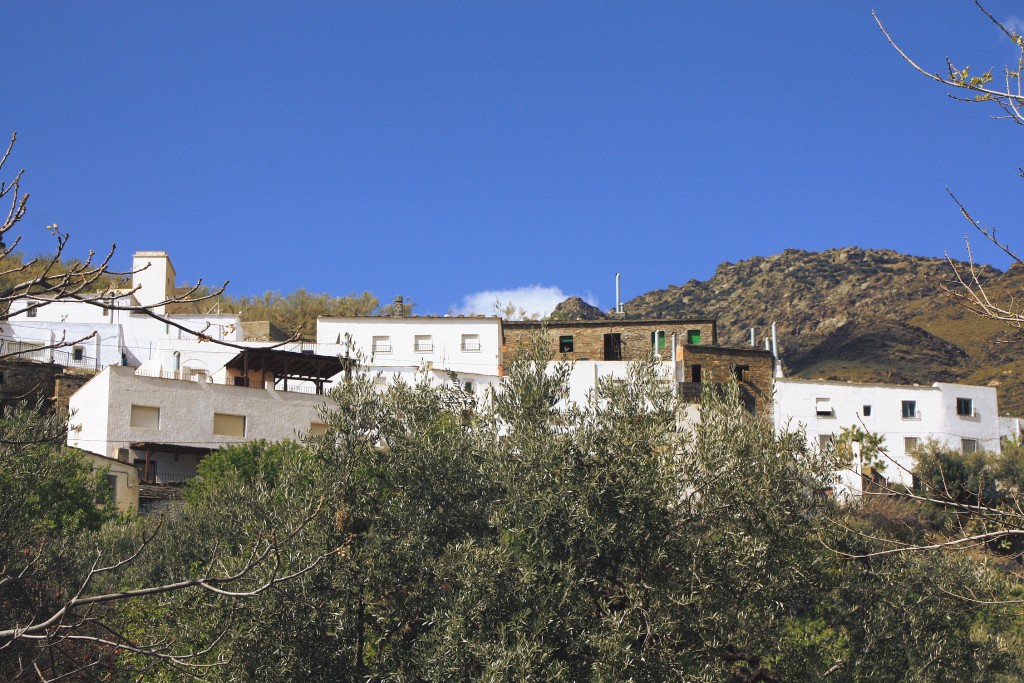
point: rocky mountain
(855, 314)
(575, 308)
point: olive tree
(521, 537)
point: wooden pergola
(288, 365)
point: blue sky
(443, 149)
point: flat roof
(605, 322)
(409, 317)
(881, 385)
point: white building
(81, 334)
(470, 347)
(165, 424)
(960, 416)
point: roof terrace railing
(245, 382)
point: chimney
(618, 298)
(398, 308)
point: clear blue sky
(438, 149)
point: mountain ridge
(872, 315)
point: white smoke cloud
(534, 299)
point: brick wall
(586, 338)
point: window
(823, 407)
(111, 480)
(695, 373)
(866, 411)
(424, 343)
(824, 442)
(565, 344)
(613, 346)
(742, 373)
(969, 445)
(32, 311)
(145, 417)
(658, 340)
(78, 353)
(693, 336)
(381, 345)
(965, 408)
(471, 342)
(909, 410)
(468, 386)
(1, 378)
(228, 425)
(910, 443)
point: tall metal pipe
(775, 343)
(618, 297)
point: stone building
(688, 346)
(48, 385)
(612, 339)
(752, 368)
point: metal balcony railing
(161, 478)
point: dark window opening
(693, 336)
(78, 353)
(565, 343)
(32, 312)
(613, 346)
(909, 410)
(110, 484)
(965, 407)
(866, 411)
(695, 373)
(742, 373)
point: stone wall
(48, 384)
(65, 385)
(263, 331)
(594, 339)
(717, 365)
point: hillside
(865, 315)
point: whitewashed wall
(445, 337)
(797, 401)
(101, 413)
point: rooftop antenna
(618, 297)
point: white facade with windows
(89, 336)
(470, 345)
(960, 416)
(164, 425)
